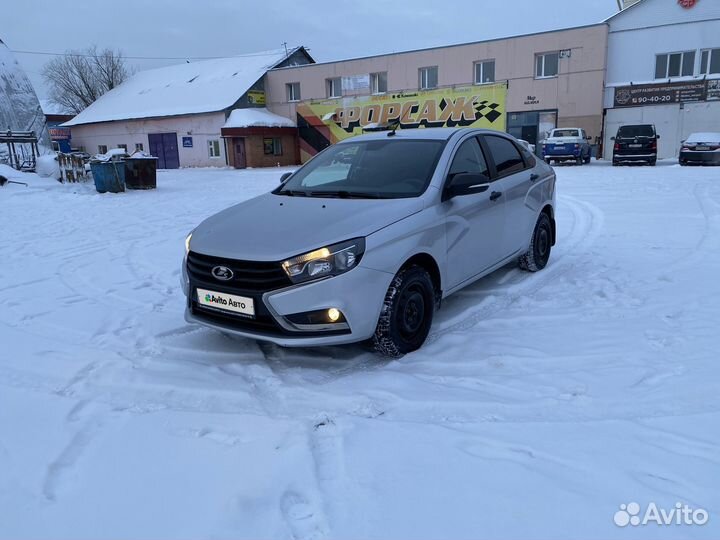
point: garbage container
(108, 176)
(141, 172)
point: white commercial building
(663, 68)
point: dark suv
(635, 144)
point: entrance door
(240, 159)
(164, 146)
(529, 134)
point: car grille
(248, 276)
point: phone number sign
(659, 94)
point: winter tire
(537, 256)
(406, 314)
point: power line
(46, 53)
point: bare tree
(78, 78)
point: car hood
(276, 227)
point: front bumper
(700, 158)
(358, 294)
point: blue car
(567, 144)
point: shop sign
(713, 90)
(532, 100)
(256, 97)
(660, 94)
(187, 142)
(59, 133)
(687, 4)
(356, 82)
(328, 121)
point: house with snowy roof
(179, 113)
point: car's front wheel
(536, 258)
(407, 313)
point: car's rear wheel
(407, 313)
(536, 258)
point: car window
(506, 156)
(469, 158)
(636, 131)
(565, 133)
(384, 168)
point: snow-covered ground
(539, 405)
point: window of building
(293, 91)
(123, 146)
(378, 82)
(506, 156)
(139, 147)
(710, 61)
(485, 72)
(333, 87)
(272, 146)
(214, 148)
(675, 65)
(428, 78)
(546, 65)
(102, 149)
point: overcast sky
(331, 29)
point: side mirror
(589, 138)
(612, 138)
(284, 177)
(657, 136)
(466, 184)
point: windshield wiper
(292, 193)
(344, 194)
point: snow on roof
(51, 108)
(190, 88)
(261, 117)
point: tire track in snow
(67, 460)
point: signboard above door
(660, 94)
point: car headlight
(327, 261)
(187, 243)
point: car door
(513, 179)
(473, 222)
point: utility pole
(284, 44)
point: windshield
(636, 131)
(565, 133)
(382, 169)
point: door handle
(495, 195)
(534, 177)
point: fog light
(333, 314)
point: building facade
(664, 69)
(178, 113)
(526, 85)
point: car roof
(437, 134)
(557, 129)
(704, 136)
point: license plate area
(225, 302)
(635, 145)
(702, 148)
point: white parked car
(530, 147)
